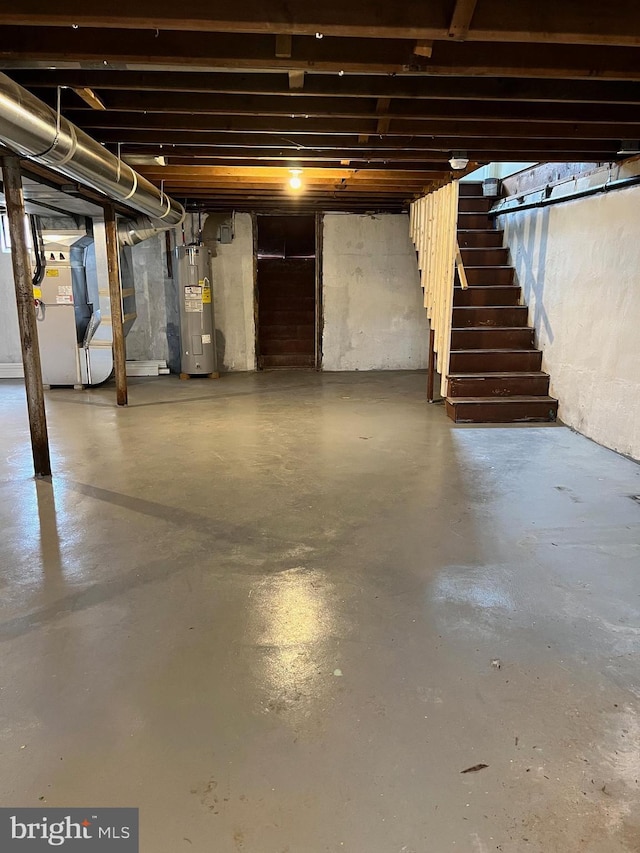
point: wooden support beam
(284, 43)
(136, 85)
(423, 47)
(468, 129)
(431, 370)
(546, 21)
(89, 97)
(186, 51)
(382, 108)
(115, 298)
(461, 19)
(12, 179)
(296, 80)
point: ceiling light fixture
(459, 160)
(295, 181)
(319, 35)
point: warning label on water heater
(193, 298)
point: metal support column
(115, 296)
(26, 315)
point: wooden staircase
(494, 369)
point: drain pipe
(30, 128)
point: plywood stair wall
(495, 371)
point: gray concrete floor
(265, 610)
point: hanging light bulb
(295, 181)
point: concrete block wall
(578, 263)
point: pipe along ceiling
(31, 129)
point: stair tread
(492, 307)
(486, 350)
(516, 374)
(489, 328)
(501, 401)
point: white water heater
(197, 329)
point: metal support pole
(26, 315)
(432, 365)
(115, 296)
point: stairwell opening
(287, 292)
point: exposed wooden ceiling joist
(468, 129)
(171, 103)
(369, 99)
(568, 22)
(423, 87)
(122, 49)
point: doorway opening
(287, 292)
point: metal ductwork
(32, 129)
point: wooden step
(502, 315)
(488, 275)
(479, 238)
(467, 188)
(288, 303)
(474, 204)
(272, 362)
(298, 317)
(501, 410)
(532, 384)
(494, 256)
(492, 337)
(495, 360)
(474, 220)
(287, 346)
(503, 295)
(288, 333)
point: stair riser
(494, 362)
(288, 347)
(507, 295)
(474, 204)
(491, 338)
(487, 275)
(477, 257)
(467, 188)
(515, 316)
(293, 303)
(500, 413)
(480, 239)
(474, 220)
(286, 361)
(502, 386)
(287, 318)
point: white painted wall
(374, 317)
(9, 335)
(233, 298)
(579, 265)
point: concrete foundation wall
(579, 266)
(233, 298)
(9, 335)
(374, 317)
